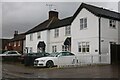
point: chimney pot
(15, 33)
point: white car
(10, 53)
(55, 59)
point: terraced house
(90, 30)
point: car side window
(47, 54)
(67, 54)
(71, 54)
(12, 53)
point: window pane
(79, 50)
(81, 26)
(112, 23)
(81, 21)
(83, 50)
(38, 35)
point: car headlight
(41, 60)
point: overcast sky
(23, 16)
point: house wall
(24, 45)
(58, 41)
(35, 41)
(119, 32)
(88, 35)
(18, 48)
(119, 23)
(108, 35)
(48, 37)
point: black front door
(115, 54)
(41, 46)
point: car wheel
(49, 64)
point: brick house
(17, 43)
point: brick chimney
(53, 14)
(15, 33)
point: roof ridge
(84, 4)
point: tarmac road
(17, 70)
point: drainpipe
(99, 35)
(99, 38)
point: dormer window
(112, 23)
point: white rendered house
(90, 30)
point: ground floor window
(83, 47)
(65, 48)
(31, 50)
(54, 48)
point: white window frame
(67, 30)
(84, 47)
(56, 33)
(31, 37)
(38, 35)
(112, 23)
(54, 48)
(15, 44)
(83, 23)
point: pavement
(17, 70)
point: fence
(81, 60)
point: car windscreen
(5, 52)
(54, 54)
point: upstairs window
(38, 35)
(31, 37)
(112, 23)
(67, 30)
(54, 48)
(83, 23)
(56, 33)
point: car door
(66, 58)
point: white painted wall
(108, 35)
(88, 35)
(48, 37)
(24, 45)
(119, 32)
(59, 41)
(34, 43)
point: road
(17, 70)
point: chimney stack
(15, 33)
(53, 14)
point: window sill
(112, 27)
(84, 29)
(83, 53)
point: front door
(115, 54)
